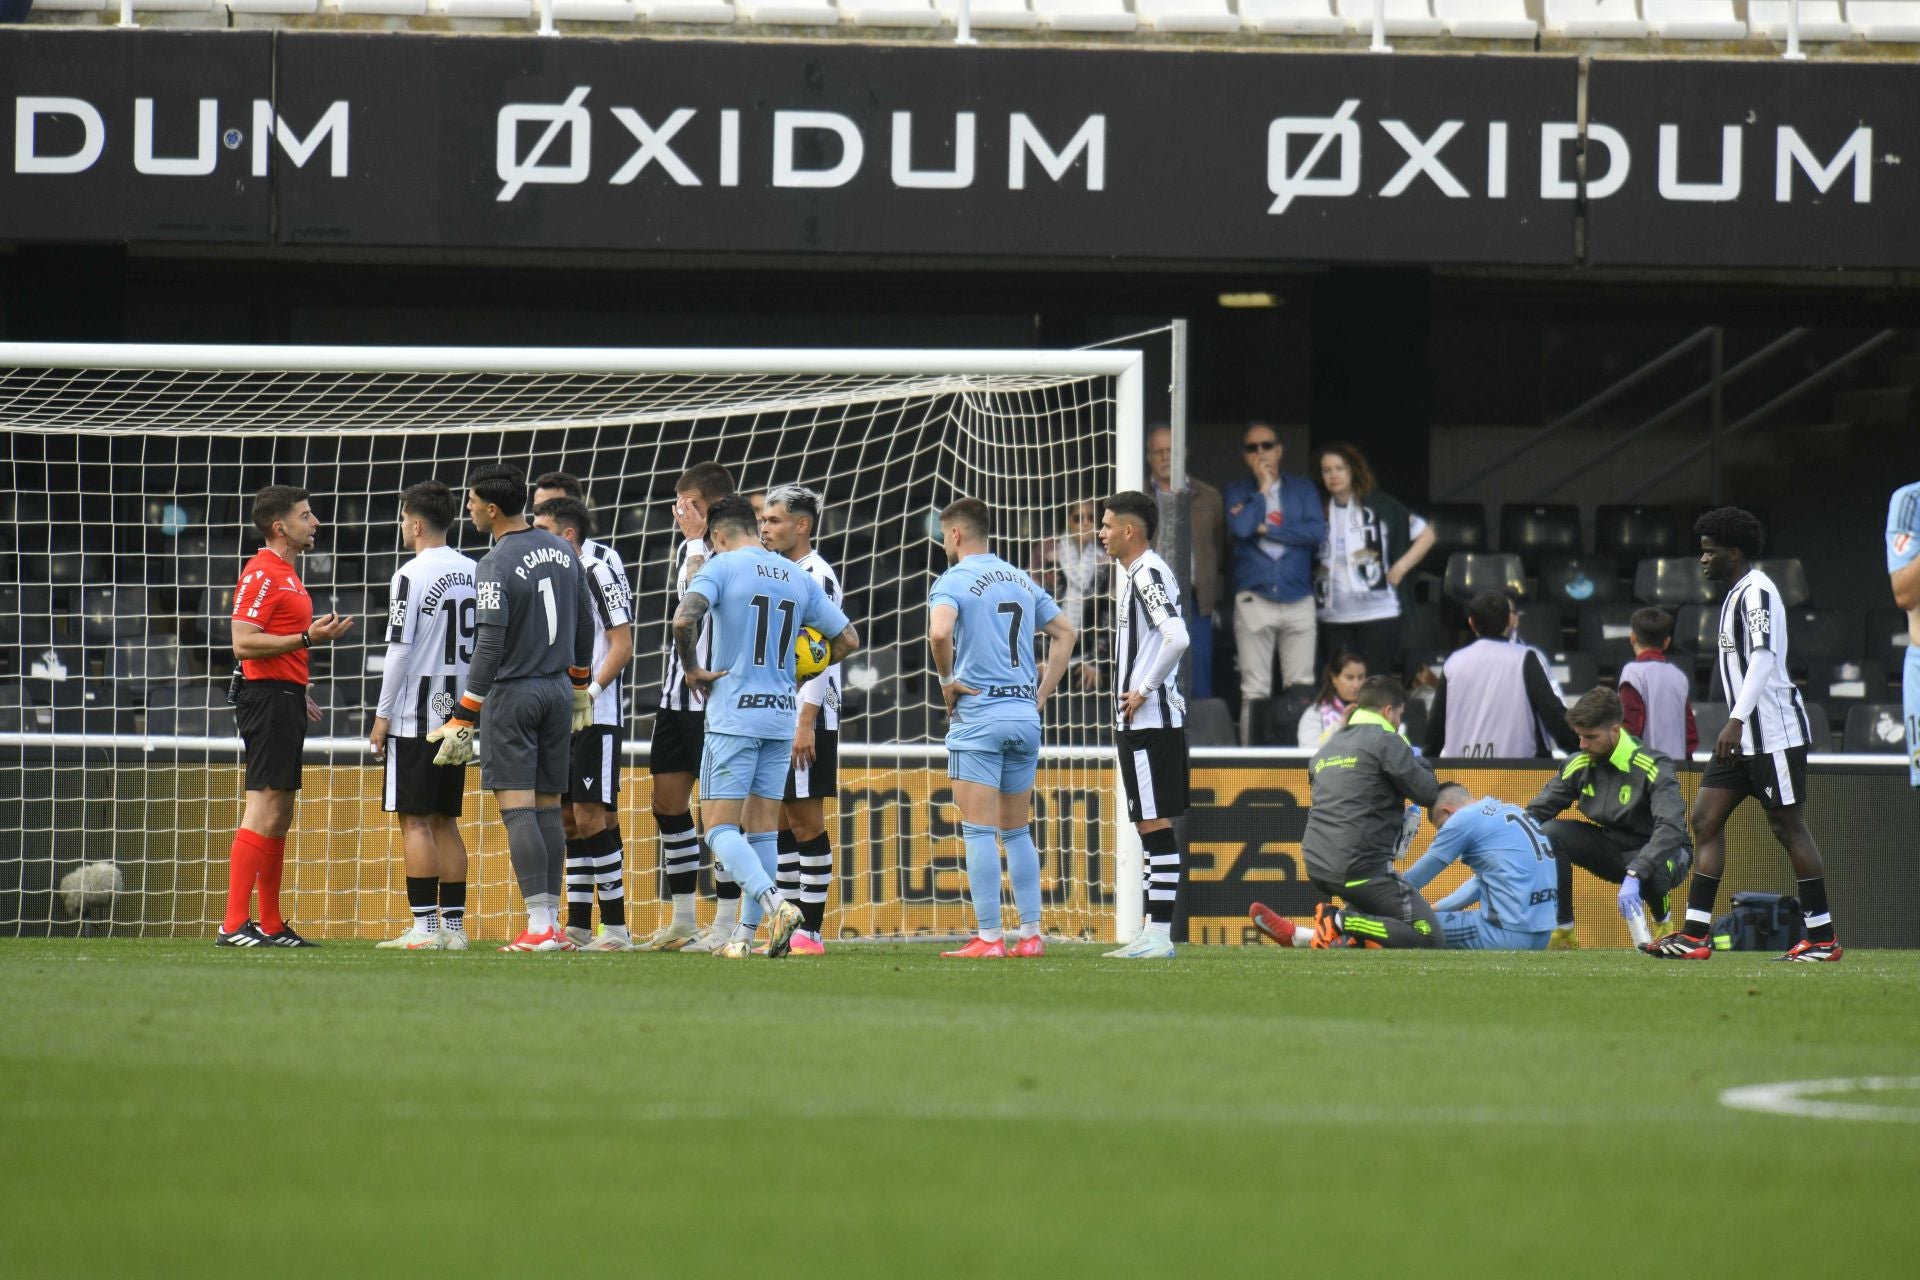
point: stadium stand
(1538, 531)
(1575, 582)
(1486, 19)
(1672, 581)
(1540, 627)
(1291, 17)
(1875, 728)
(1632, 533)
(1470, 573)
(1593, 20)
(1603, 632)
(1210, 724)
(1897, 21)
(1820, 20)
(1819, 638)
(1085, 15)
(1693, 19)
(1403, 17)
(1457, 526)
(1791, 577)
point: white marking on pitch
(1804, 1098)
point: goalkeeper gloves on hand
(582, 698)
(456, 735)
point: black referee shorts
(595, 773)
(1777, 779)
(1153, 766)
(679, 741)
(272, 715)
(821, 779)
(416, 786)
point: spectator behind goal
(1496, 700)
(1655, 695)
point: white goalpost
(124, 488)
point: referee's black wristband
(306, 640)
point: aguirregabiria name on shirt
(431, 601)
(543, 555)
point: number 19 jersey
(759, 602)
(430, 637)
(1000, 608)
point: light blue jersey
(1512, 862)
(1903, 544)
(1000, 609)
(760, 601)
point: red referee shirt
(272, 597)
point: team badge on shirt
(489, 595)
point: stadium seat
(993, 15)
(1291, 17)
(1209, 724)
(1888, 20)
(1403, 17)
(1818, 638)
(274, 6)
(788, 13)
(70, 6)
(1468, 574)
(1580, 581)
(715, 11)
(46, 612)
(1819, 728)
(1672, 581)
(1630, 534)
(1574, 672)
(389, 8)
(1791, 577)
(14, 717)
(1457, 526)
(1604, 630)
(1085, 15)
(1887, 637)
(138, 665)
(113, 613)
(1693, 19)
(1540, 627)
(1196, 16)
(510, 10)
(1864, 681)
(890, 13)
(1819, 20)
(172, 6)
(1696, 630)
(1536, 531)
(1594, 20)
(1709, 718)
(1486, 19)
(1875, 728)
(588, 11)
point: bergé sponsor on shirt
(767, 702)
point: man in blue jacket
(1277, 522)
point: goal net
(128, 476)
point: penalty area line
(1812, 1099)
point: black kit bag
(1760, 922)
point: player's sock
(1163, 877)
(1813, 909)
(243, 869)
(680, 859)
(527, 852)
(579, 886)
(816, 877)
(423, 899)
(553, 834)
(1563, 904)
(1701, 891)
(543, 912)
(766, 854)
(453, 905)
(735, 851)
(787, 873)
(273, 860)
(983, 878)
(726, 912)
(610, 877)
(1023, 869)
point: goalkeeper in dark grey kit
(532, 609)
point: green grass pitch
(170, 1109)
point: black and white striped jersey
(431, 630)
(824, 689)
(674, 693)
(1752, 618)
(611, 605)
(607, 555)
(1147, 594)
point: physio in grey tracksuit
(1362, 778)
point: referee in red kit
(273, 627)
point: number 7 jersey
(999, 609)
(430, 637)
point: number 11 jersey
(430, 616)
(759, 603)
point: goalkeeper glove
(582, 698)
(1630, 896)
(456, 735)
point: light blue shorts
(1472, 931)
(995, 753)
(1910, 695)
(733, 767)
